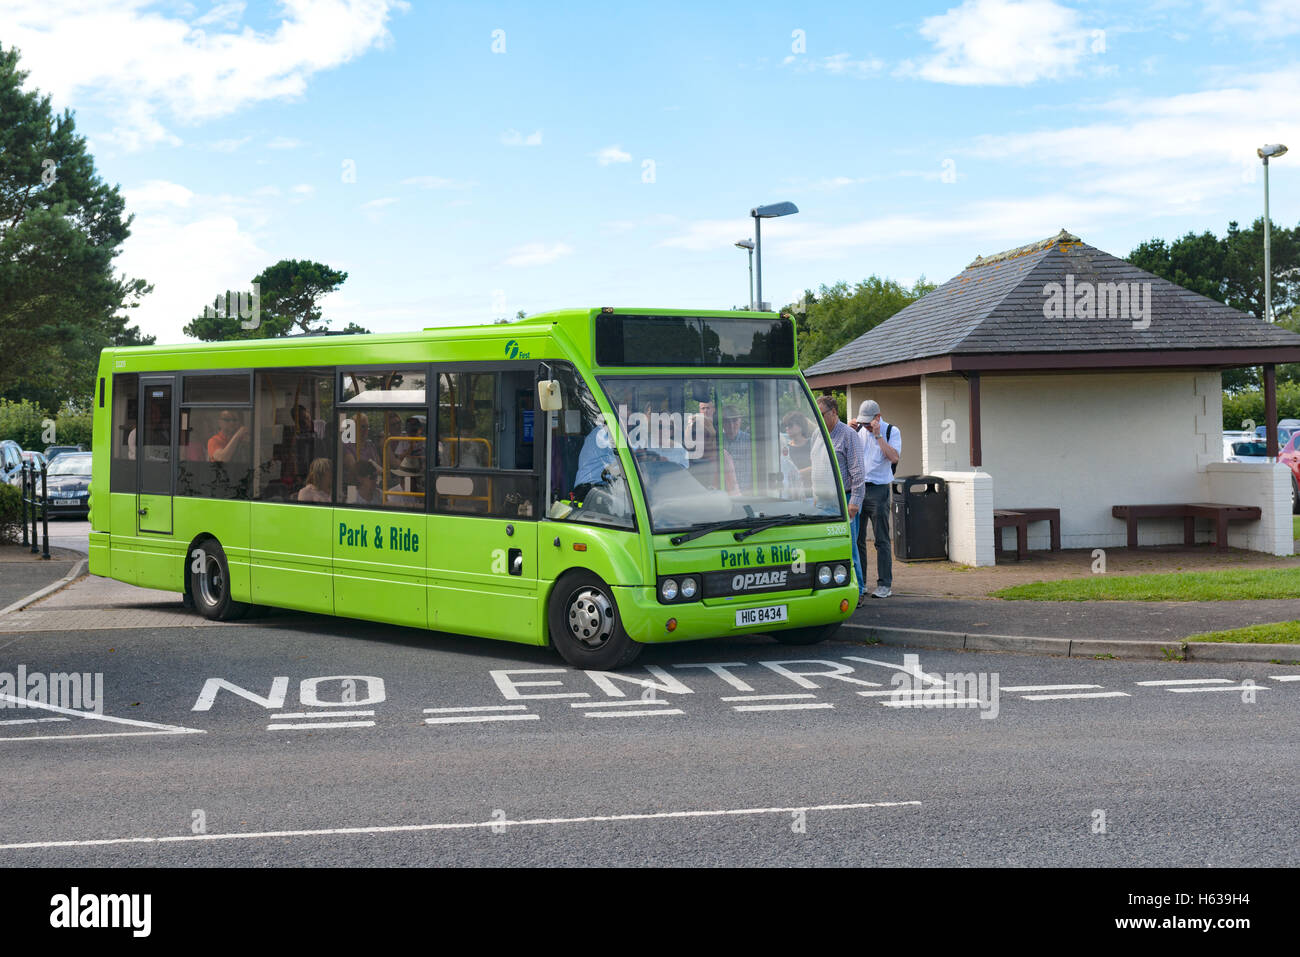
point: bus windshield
(724, 449)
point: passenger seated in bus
(317, 488)
(366, 491)
(360, 449)
(231, 441)
(705, 466)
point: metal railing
(36, 503)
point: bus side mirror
(548, 395)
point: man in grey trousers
(882, 444)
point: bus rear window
(691, 341)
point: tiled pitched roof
(996, 305)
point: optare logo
(513, 352)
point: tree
(1231, 270)
(61, 226)
(287, 302)
(836, 315)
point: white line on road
(1284, 677)
(1184, 681)
(768, 697)
(933, 703)
(471, 718)
(1089, 694)
(614, 704)
(469, 825)
(629, 714)
(927, 693)
(1250, 687)
(324, 714)
(783, 707)
(33, 720)
(1048, 687)
(320, 724)
(490, 707)
(91, 716)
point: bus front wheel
(210, 582)
(585, 625)
(806, 636)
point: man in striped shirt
(848, 456)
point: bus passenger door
(154, 456)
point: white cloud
(515, 138)
(283, 143)
(438, 182)
(537, 254)
(156, 194)
(1269, 19)
(612, 154)
(1002, 43)
(147, 67)
(227, 146)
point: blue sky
(596, 154)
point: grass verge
(1226, 585)
(1282, 633)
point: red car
(1290, 457)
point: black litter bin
(920, 514)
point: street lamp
(760, 213)
(749, 244)
(1272, 149)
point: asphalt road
(578, 769)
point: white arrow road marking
(91, 716)
(469, 825)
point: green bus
(591, 479)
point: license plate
(65, 501)
(746, 617)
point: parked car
(56, 450)
(11, 462)
(1285, 429)
(1290, 457)
(39, 459)
(69, 484)
(1244, 447)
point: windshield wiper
(711, 527)
(777, 522)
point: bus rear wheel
(806, 636)
(585, 626)
(210, 582)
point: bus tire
(210, 585)
(585, 626)
(806, 636)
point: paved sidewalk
(22, 573)
(945, 579)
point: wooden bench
(1012, 517)
(1221, 515)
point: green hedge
(24, 422)
(1250, 405)
(11, 514)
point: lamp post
(1264, 152)
(760, 213)
(749, 244)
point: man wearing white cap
(882, 444)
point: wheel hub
(590, 617)
(211, 585)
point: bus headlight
(668, 590)
(689, 587)
(823, 575)
(841, 574)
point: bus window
(215, 452)
(485, 444)
(291, 444)
(123, 435)
(587, 483)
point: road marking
(490, 707)
(1089, 694)
(933, 703)
(782, 707)
(768, 697)
(614, 704)
(1185, 681)
(629, 714)
(91, 716)
(325, 714)
(456, 826)
(1049, 687)
(910, 693)
(33, 720)
(1284, 677)
(470, 718)
(320, 724)
(1250, 687)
